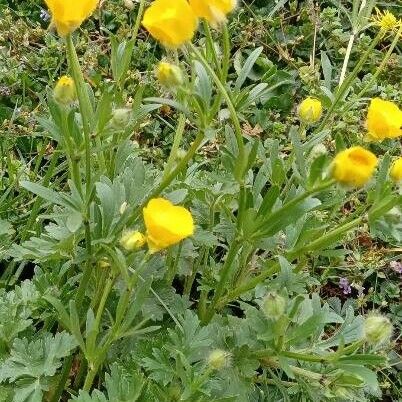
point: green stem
(88, 268)
(171, 176)
(176, 144)
(313, 246)
(85, 108)
(138, 19)
(348, 82)
(86, 116)
(211, 45)
(65, 372)
(382, 65)
(241, 162)
(326, 239)
(223, 277)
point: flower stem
(241, 162)
(85, 108)
(342, 90)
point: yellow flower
(386, 21)
(396, 170)
(172, 22)
(166, 224)
(214, 11)
(169, 75)
(384, 120)
(310, 110)
(132, 240)
(68, 15)
(64, 91)
(354, 166)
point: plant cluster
(198, 239)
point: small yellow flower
(166, 224)
(68, 15)
(169, 75)
(396, 170)
(354, 166)
(64, 91)
(214, 11)
(386, 21)
(310, 110)
(171, 22)
(132, 240)
(384, 120)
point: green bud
(120, 118)
(64, 91)
(377, 329)
(274, 305)
(169, 75)
(219, 359)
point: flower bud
(169, 75)
(377, 329)
(274, 305)
(120, 118)
(129, 4)
(104, 263)
(219, 359)
(310, 110)
(64, 91)
(132, 240)
(396, 171)
(181, 153)
(123, 207)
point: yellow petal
(384, 120)
(354, 166)
(172, 22)
(166, 223)
(68, 15)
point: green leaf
(31, 364)
(248, 65)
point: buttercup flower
(384, 120)
(132, 240)
(166, 224)
(68, 15)
(354, 166)
(169, 75)
(172, 22)
(310, 110)
(396, 170)
(214, 11)
(64, 91)
(386, 21)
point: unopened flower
(354, 166)
(310, 110)
(129, 4)
(396, 171)
(64, 91)
(214, 11)
(120, 118)
(384, 120)
(171, 22)
(274, 305)
(386, 21)
(132, 240)
(104, 263)
(377, 329)
(68, 15)
(219, 359)
(166, 224)
(169, 75)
